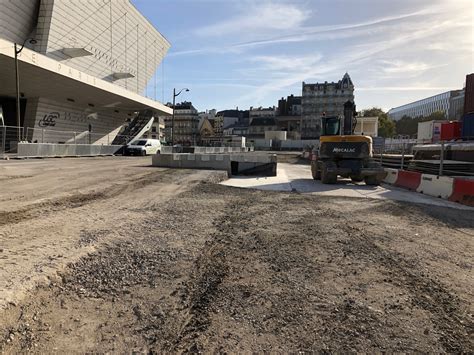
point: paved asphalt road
(297, 177)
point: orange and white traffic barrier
(408, 179)
(460, 190)
(437, 186)
(392, 176)
(463, 191)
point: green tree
(409, 125)
(436, 116)
(386, 125)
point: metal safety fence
(442, 158)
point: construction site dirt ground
(112, 255)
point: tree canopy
(409, 125)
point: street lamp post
(172, 119)
(17, 75)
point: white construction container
(275, 135)
(429, 131)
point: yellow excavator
(341, 153)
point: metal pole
(138, 81)
(75, 138)
(17, 74)
(403, 156)
(4, 138)
(111, 39)
(146, 65)
(126, 50)
(441, 159)
(172, 119)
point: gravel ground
(121, 257)
(219, 269)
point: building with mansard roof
(323, 99)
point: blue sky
(246, 53)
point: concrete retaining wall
(299, 144)
(234, 164)
(34, 150)
(206, 150)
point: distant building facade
(291, 106)
(289, 116)
(259, 125)
(450, 102)
(232, 117)
(323, 98)
(157, 130)
(185, 129)
(262, 112)
(469, 94)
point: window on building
(153, 129)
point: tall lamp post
(17, 75)
(174, 103)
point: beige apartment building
(323, 99)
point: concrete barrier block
(82, 150)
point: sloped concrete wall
(31, 150)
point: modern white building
(86, 69)
(450, 102)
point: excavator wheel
(315, 170)
(326, 177)
(371, 180)
(357, 178)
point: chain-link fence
(11, 135)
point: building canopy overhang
(44, 77)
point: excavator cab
(341, 153)
(330, 126)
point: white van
(143, 147)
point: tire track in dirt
(210, 269)
(448, 313)
(43, 209)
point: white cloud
(359, 55)
(259, 18)
(287, 63)
(407, 88)
(400, 67)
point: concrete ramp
(234, 164)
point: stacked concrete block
(234, 164)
